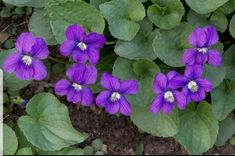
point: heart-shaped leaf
(48, 125)
(228, 62)
(141, 46)
(223, 99)
(232, 26)
(198, 128)
(205, 6)
(65, 13)
(30, 3)
(10, 142)
(166, 14)
(122, 16)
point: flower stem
(56, 60)
(110, 42)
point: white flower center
(82, 45)
(202, 50)
(27, 60)
(192, 85)
(115, 96)
(77, 86)
(168, 96)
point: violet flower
(202, 39)
(113, 98)
(26, 60)
(82, 47)
(167, 96)
(77, 89)
(195, 87)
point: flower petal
(181, 100)
(186, 92)
(24, 72)
(25, 42)
(201, 58)
(11, 62)
(125, 107)
(75, 32)
(160, 82)
(73, 96)
(87, 97)
(93, 55)
(79, 56)
(198, 96)
(167, 108)
(212, 35)
(67, 47)
(95, 40)
(90, 74)
(189, 56)
(40, 71)
(198, 38)
(76, 73)
(205, 84)
(110, 82)
(157, 104)
(40, 49)
(62, 87)
(112, 107)
(102, 98)
(194, 71)
(129, 87)
(171, 74)
(177, 82)
(215, 58)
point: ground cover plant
(95, 77)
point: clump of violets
(175, 89)
(77, 87)
(194, 86)
(80, 46)
(113, 98)
(26, 61)
(202, 39)
(167, 95)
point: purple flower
(26, 60)
(167, 95)
(202, 39)
(82, 47)
(77, 89)
(113, 98)
(194, 86)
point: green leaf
(139, 149)
(169, 45)
(48, 125)
(39, 24)
(227, 8)
(232, 26)
(158, 125)
(88, 150)
(9, 79)
(10, 142)
(31, 3)
(25, 151)
(220, 21)
(232, 140)
(65, 13)
(205, 6)
(141, 70)
(140, 47)
(226, 131)
(198, 128)
(122, 16)
(223, 99)
(228, 62)
(166, 14)
(96, 3)
(196, 19)
(97, 144)
(64, 151)
(215, 75)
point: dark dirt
(121, 136)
